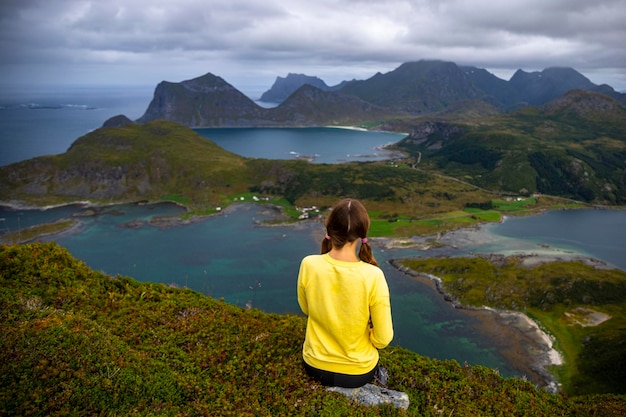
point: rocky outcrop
(117, 121)
(433, 134)
(373, 395)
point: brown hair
(347, 222)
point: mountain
(284, 87)
(417, 87)
(496, 91)
(413, 89)
(209, 101)
(536, 88)
(574, 146)
(204, 101)
(310, 105)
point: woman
(346, 299)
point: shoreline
(85, 204)
(533, 350)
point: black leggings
(335, 379)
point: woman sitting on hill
(346, 299)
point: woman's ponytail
(326, 245)
(365, 253)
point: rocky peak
(207, 83)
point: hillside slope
(78, 342)
(574, 146)
(131, 163)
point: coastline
(13, 205)
(514, 335)
(518, 337)
(163, 222)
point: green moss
(81, 343)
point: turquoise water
(231, 257)
(317, 144)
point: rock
(118, 121)
(372, 395)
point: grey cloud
(327, 36)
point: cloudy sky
(250, 42)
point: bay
(316, 144)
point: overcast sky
(250, 42)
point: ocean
(47, 122)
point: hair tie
(327, 237)
(364, 240)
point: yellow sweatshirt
(349, 314)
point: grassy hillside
(583, 307)
(77, 342)
(131, 163)
(574, 147)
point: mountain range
(413, 89)
(461, 122)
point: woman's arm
(381, 332)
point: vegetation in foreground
(583, 307)
(77, 342)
